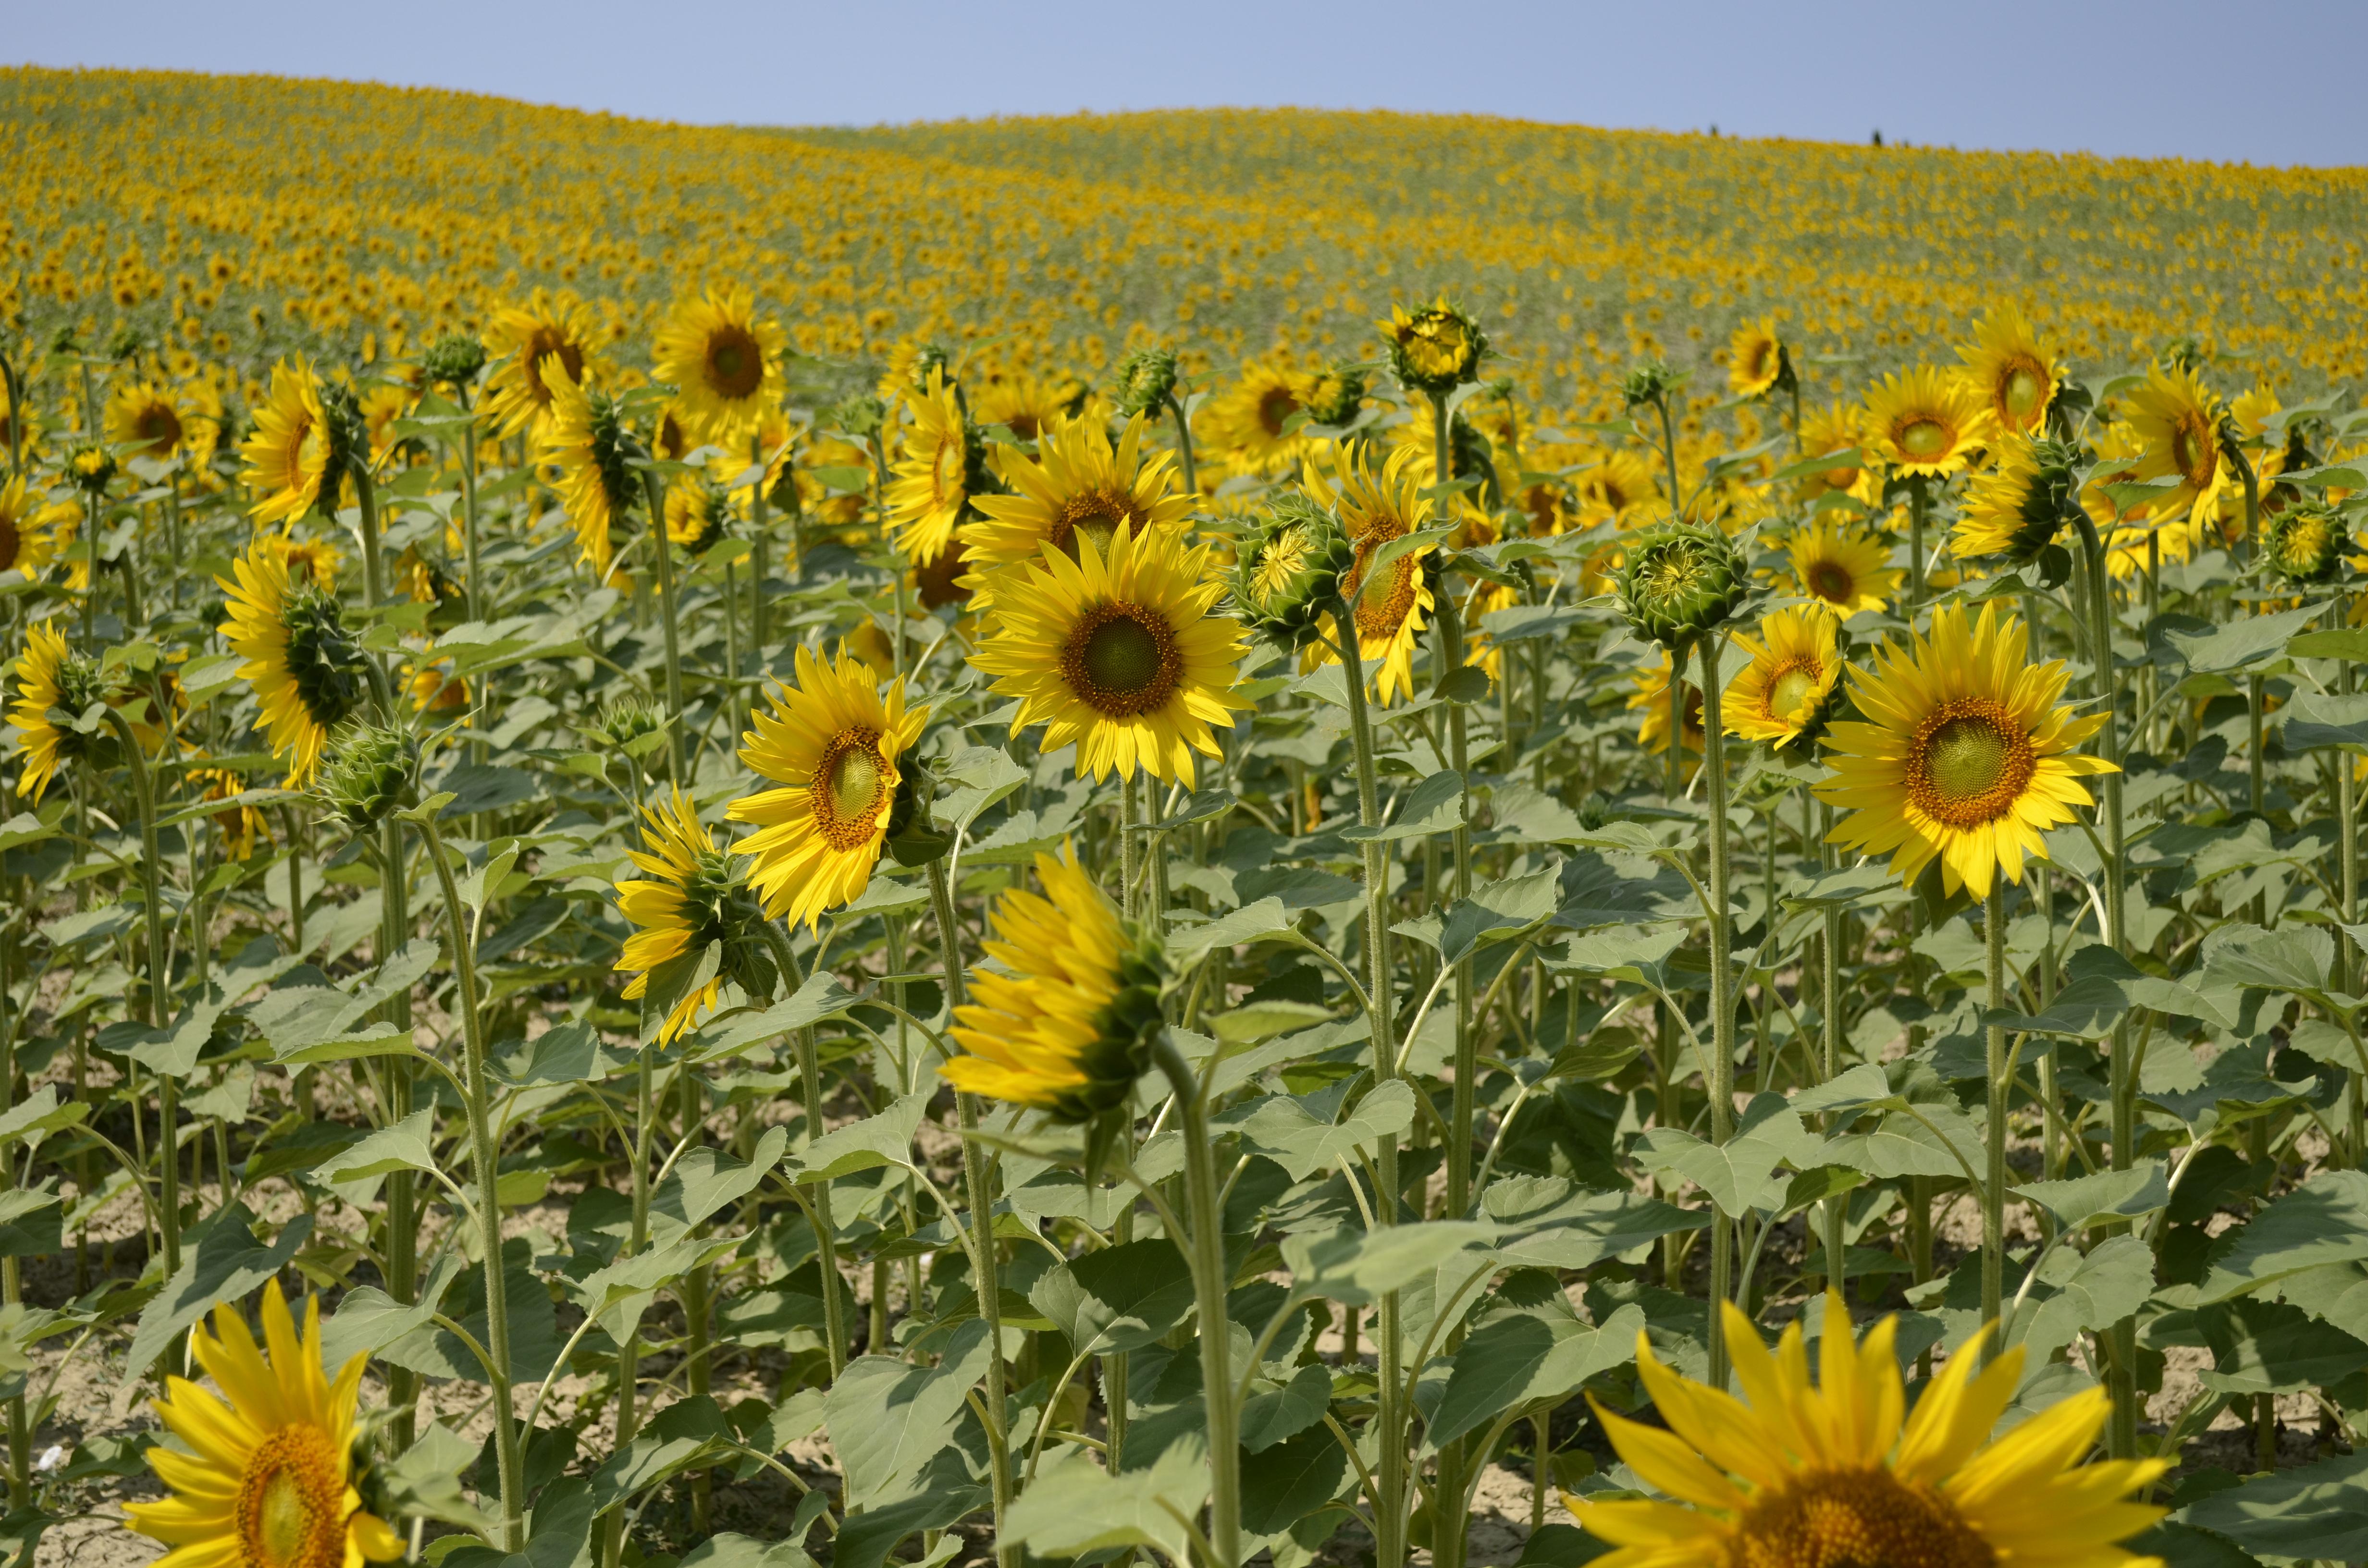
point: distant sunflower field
(1181, 837)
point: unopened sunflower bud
(1286, 577)
(1648, 383)
(1336, 395)
(1147, 380)
(368, 774)
(1435, 348)
(453, 360)
(1680, 581)
(2303, 546)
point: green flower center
(1121, 659)
(1924, 438)
(1789, 689)
(291, 1502)
(1098, 514)
(850, 787)
(1968, 756)
(1969, 762)
(2024, 388)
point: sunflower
(306, 670)
(725, 360)
(2010, 370)
(1435, 348)
(671, 442)
(1078, 486)
(1924, 423)
(381, 407)
(1121, 656)
(1842, 567)
(1785, 695)
(832, 742)
(243, 826)
(696, 516)
(937, 470)
(2018, 507)
(1652, 699)
(1028, 405)
(1838, 428)
(156, 424)
(15, 432)
(1795, 1477)
(1617, 485)
(582, 436)
(776, 441)
(313, 560)
(296, 455)
(1390, 610)
(522, 338)
(270, 1480)
(1243, 427)
(1064, 1023)
(1758, 361)
(434, 688)
(28, 530)
(2175, 420)
(680, 905)
(1966, 755)
(945, 579)
(50, 675)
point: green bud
(2303, 545)
(1336, 395)
(1147, 380)
(1680, 581)
(1435, 348)
(1651, 381)
(368, 774)
(454, 359)
(1288, 576)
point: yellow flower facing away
(48, 675)
(1924, 422)
(1794, 670)
(1756, 359)
(1840, 1475)
(723, 360)
(307, 672)
(1392, 606)
(1080, 487)
(266, 1475)
(1119, 656)
(832, 743)
(580, 436)
(241, 826)
(2014, 374)
(1964, 754)
(1843, 568)
(519, 338)
(676, 906)
(293, 449)
(931, 482)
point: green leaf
(1358, 1268)
(408, 1145)
(2335, 643)
(2315, 719)
(1497, 911)
(820, 998)
(534, 1326)
(1116, 1298)
(683, 1436)
(1258, 922)
(706, 1180)
(888, 1418)
(1903, 1144)
(619, 1293)
(1073, 1507)
(1568, 1226)
(2323, 1221)
(733, 1550)
(2271, 1348)
(1286, 1131)
(424, 1480)
(1389, 549)
(2090, 1293)
(1435, 806)
(1251, 1022)
(1739, 1174)
(2289, 958)
(1523, 1357)
(2246, 641)
(220, 1261)
(2083, 1201)
(1279, 1413)
(368, 1319)
(865, 1145)
(1291, 1482)
(2317, 1511)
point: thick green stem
(1917, 501)
(160, 990)
(629, 1352)
(484, 1156)
(2001, 1095)
(1184, 445)
(1721, 993)
(401, 1187)
(470, 539)
(760, 542)
(835, 1328)
(1205, 1254)
(663, 551)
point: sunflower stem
(833, 1324)
(484, 1156)
(1184, 445)
(1722, 990)
(402, 1187)
(1204, 1252)
(1389, 1513)
(760, 530)
(2001, 1095)
(629, 1353)
(1917, 501)
(160, 979)
(659, 546)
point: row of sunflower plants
(793, 976)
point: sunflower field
(1176, 838)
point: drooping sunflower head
(2018, 507)
(1147, 380)
(377, 409)
(266, 1479)
(2175, 419)
(1078, 487)
(91, 468)
(2014, 374)
(1839, 1473)
(1757, 362)
(296, 457)
(1924, 422)
(836, 745)
(1843, 568)
(1121, 656)
(940, 466)
(1288, 573)
(687, 899)
(307, 670)
(725, 360)
(582, 436)
(697, 513)
(241, 826)
(1787, 693)
(521, 338)
(370, 771)
(27, 535)
(423, 578)
(1435, 348)
(1679, 581)
(1066, 1020)
(910, 366)
(2304, 545)
(50, 677)
(1964, 754)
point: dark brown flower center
(736, 363)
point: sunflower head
(1788, 692)
(54, 683)
(370, 773)
(2019, 507)
(452, 361)
(91, 468)
(1289, 574)
(2304, 545)
(696, 514)
(1757, 360)
(724, 359)
(1650, 382)
(2011, 371)
(1925, 424)
(1435, 348)
(858, 415)
(1147, 380)
(296, 454)
(695, 926)
(631, 724)
(1679, 582)
(1335, 395)
(324, 661)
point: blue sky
(2268, 82)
